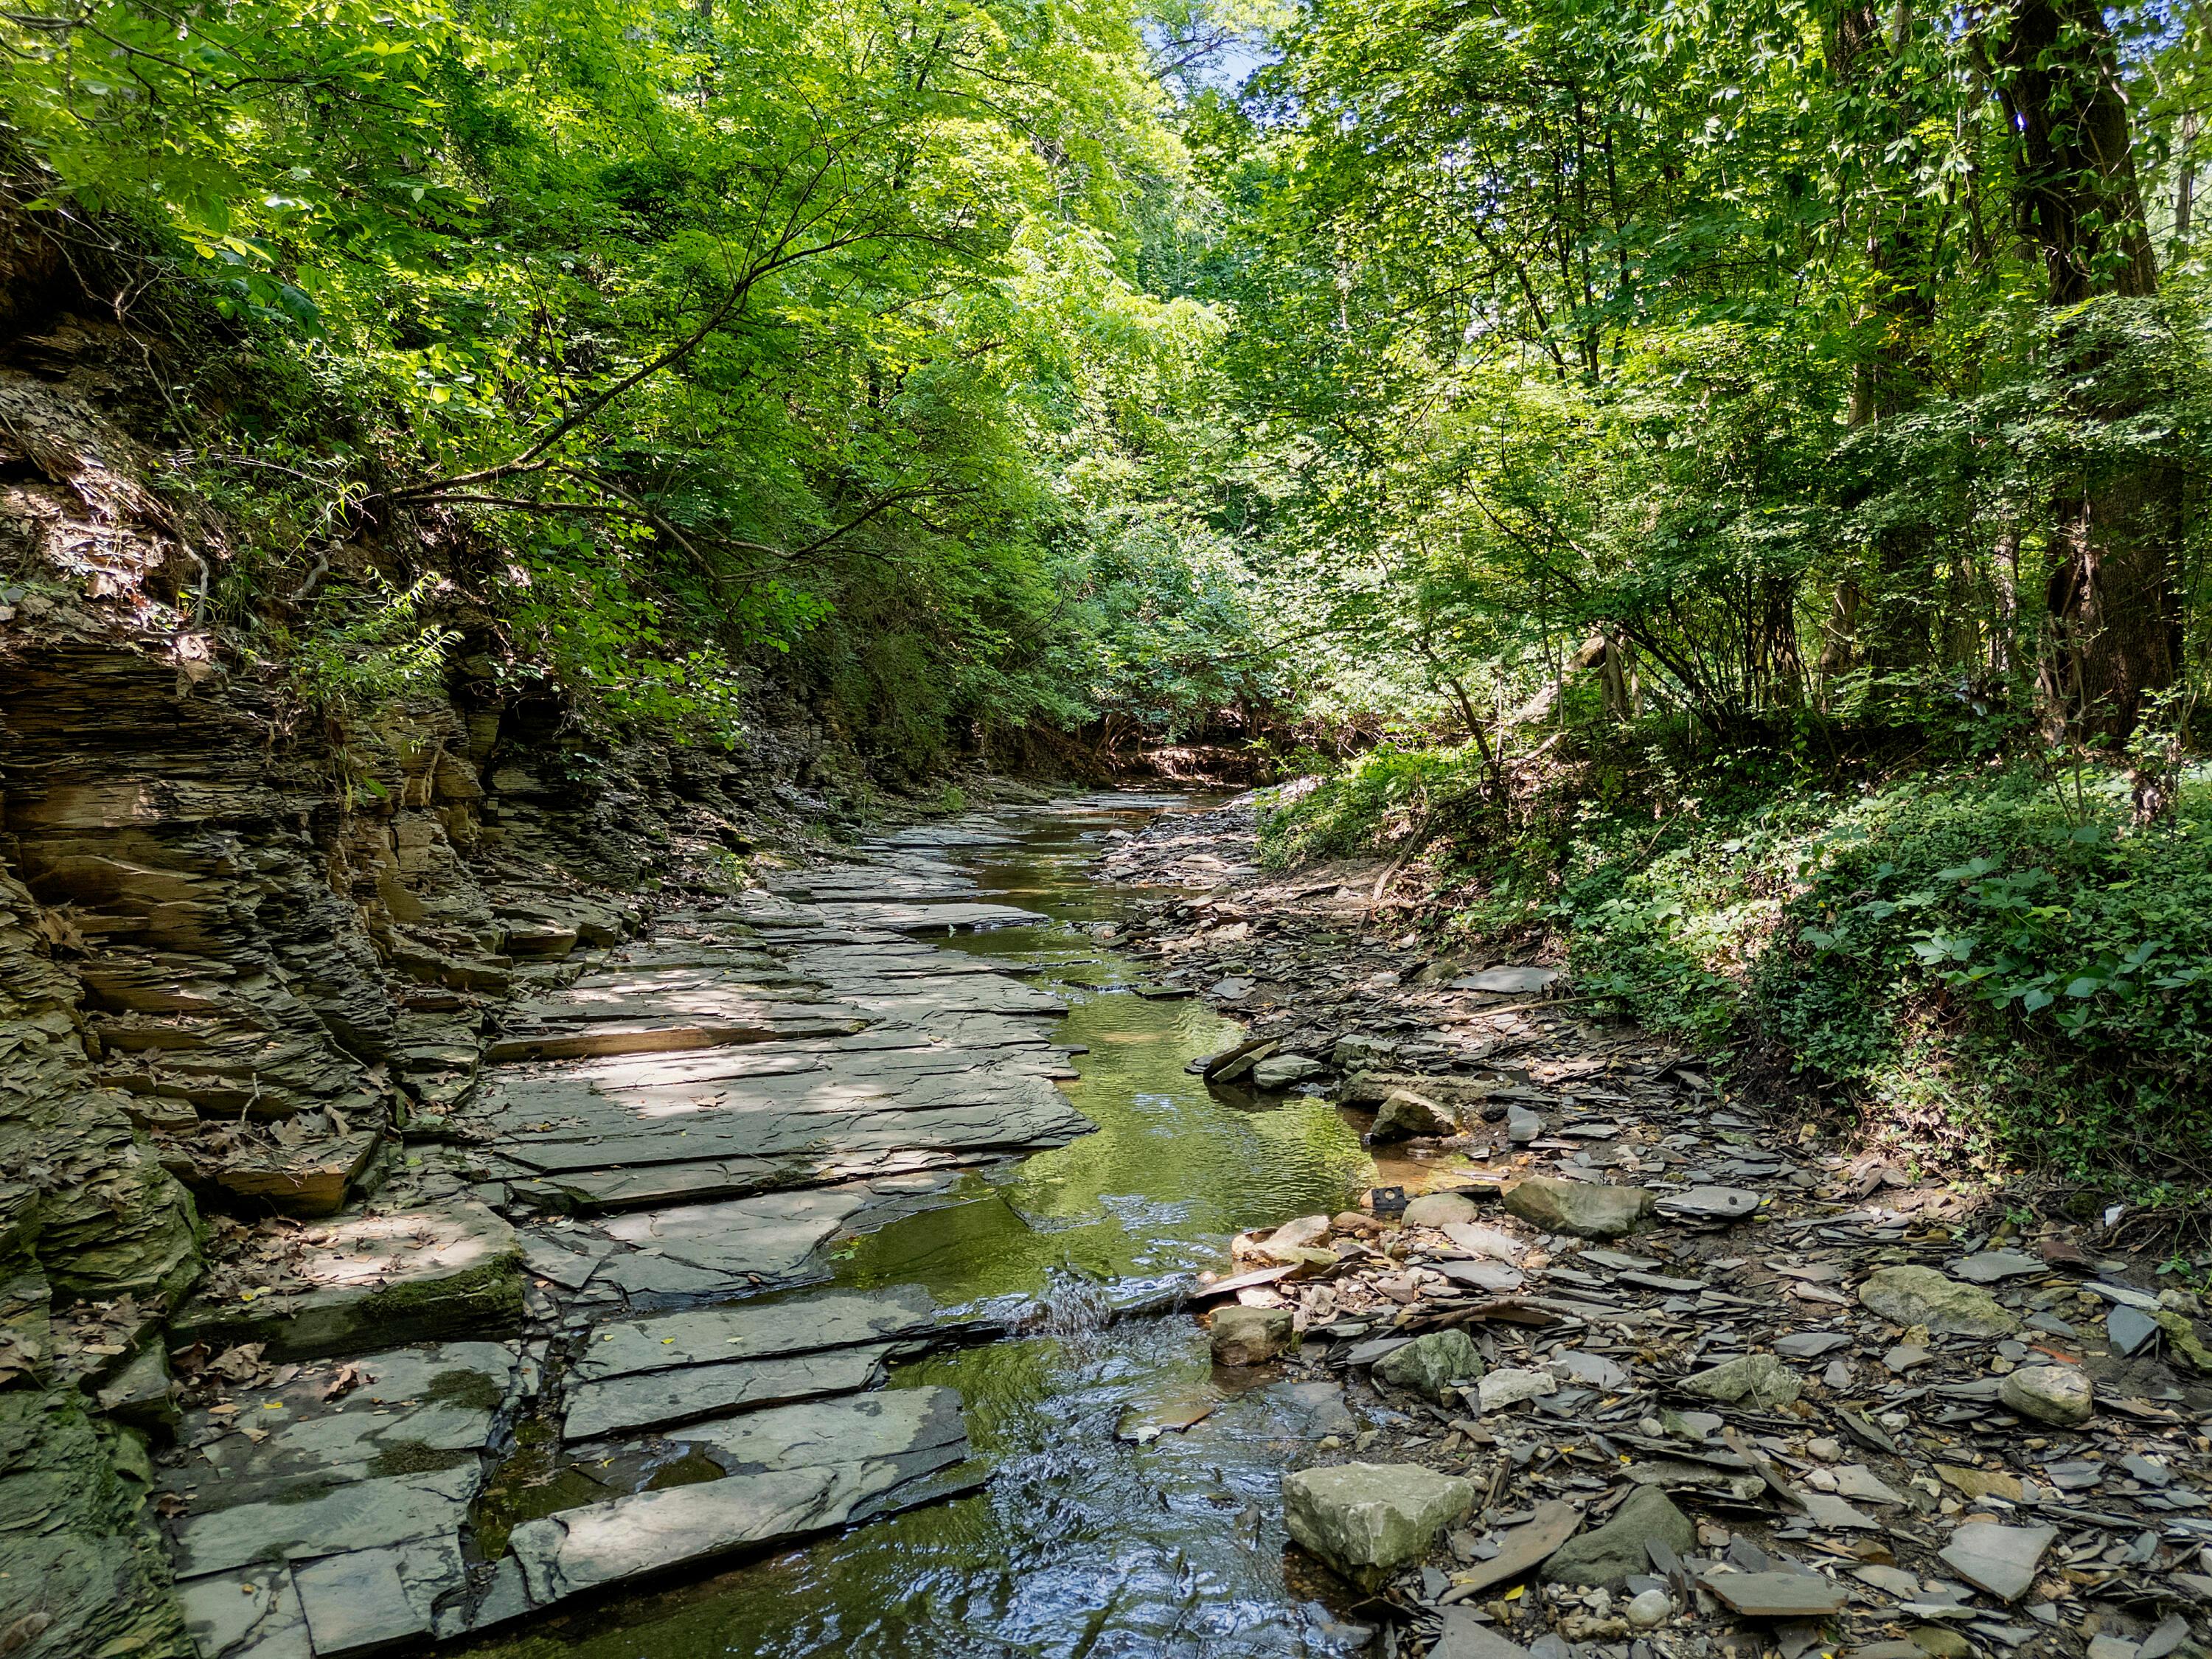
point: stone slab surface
(352, 1515)
(654, 1399)
(754, 1330)
(664, 1130)
(882, 1451)
(349, 1421)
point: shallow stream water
(1083, 1543)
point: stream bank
(1644, 1375)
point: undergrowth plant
(1970, 960)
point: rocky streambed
(931, 1189)
(751, 1231)
(1638, 1374)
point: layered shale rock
(253, 953)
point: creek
(1098, 1531)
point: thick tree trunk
(2079, 201)
(2113, 613)
(2115, 618)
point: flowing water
(1083, 1541)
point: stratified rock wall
(85, 1208)
(247, 947)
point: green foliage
(1697, 330)
(1377, 800)
(805, 334)
(1987, 958)
(2055, 962)
(359, 655)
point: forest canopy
(1042, 363)
(1700, 443)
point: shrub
(1995, 967)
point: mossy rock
(482, 1302)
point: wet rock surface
(257, 959)
(593, 1272)
(1743, 1392)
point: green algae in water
(534, 1480)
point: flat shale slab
(809, 1467)
(684, 1125)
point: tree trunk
(2184, 183)
(2078, 202)
(1889, 618)
(2115, 617)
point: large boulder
(1433, 1364)
(1405, 1115)
(1753, 1379)
(1366, 1520)
(1249, 1336)
(1921, 1296)
(1621, 1546)
(1584, 1209)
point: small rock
(1594, 1369)
(1282, 1071)
(1366, 1520)
(1249, 1336)
(1911, 1296)
(1522, 1125)
(2130, 1330)
(1710, 1204)
(1308, 1259)
(1523, 1548)
(1440, 1210)
(1991, 1266)
(1296, 1235)
(1776, 1594)
(1363, 1053)
(1507, 981)
(1584, 1209)
(2061, 1394)
(1464, 1638)
(1621, 1546)
(2171, 1633)
(1999, 1559)
(1499, 1389)
(1433, 1364)
(2181, 1338)
(1494, 1277)
(1649, 1609)
(1487, 1244)
(1758, 1379)
(1939, 1641)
